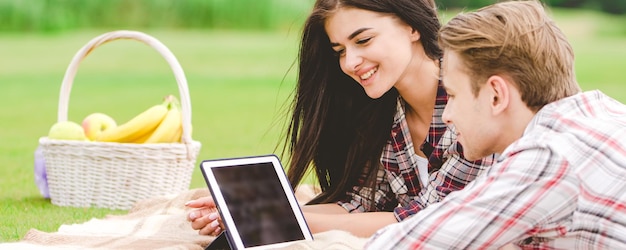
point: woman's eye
(340, 52)
(363, 41)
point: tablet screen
(258, 206)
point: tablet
(256, 202)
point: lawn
(240, 83)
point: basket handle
(70, 73)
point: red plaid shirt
(562, 185)
(399, 188)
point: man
(560, 180)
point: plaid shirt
(399, 188)
(561, 185)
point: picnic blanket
(158, 223)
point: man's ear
(415, 35)
(500, 93)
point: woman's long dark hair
(335, 128)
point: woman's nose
(352, 60)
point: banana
(178, 135)
(138, 126)
(143, 138)
(166, 131)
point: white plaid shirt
(562, 185)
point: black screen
(257, 204)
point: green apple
(67, 130)
(95, 123)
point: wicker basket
(116, 175)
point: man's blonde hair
(516, 39)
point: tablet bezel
(232, 230)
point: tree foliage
(59, 15)
(617, 7)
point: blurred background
(617, 7)
(64, 15)
(239, 58)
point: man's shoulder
(585, 101)
(589, 106)
(577, 125)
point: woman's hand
(204, 217)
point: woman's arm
(320, 218)
(325, 217)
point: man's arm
(501, 206)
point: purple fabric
(41, 179)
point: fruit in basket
(67, 130)
(166, 131)
(94, 124)
(177, 136)
(137, 127)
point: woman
(367, 67)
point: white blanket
(157, 223)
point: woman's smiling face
(374, 49)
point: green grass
(239, 83)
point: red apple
(95, 123)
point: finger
(205, 220)
(216, 217)
(217, 231)
(202, 212)
(200, 223)
(201, 202)
(213, 216)
(210, 228)
(194, 215)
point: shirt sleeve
(504, 205)
(359, 198)
(454, 174)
